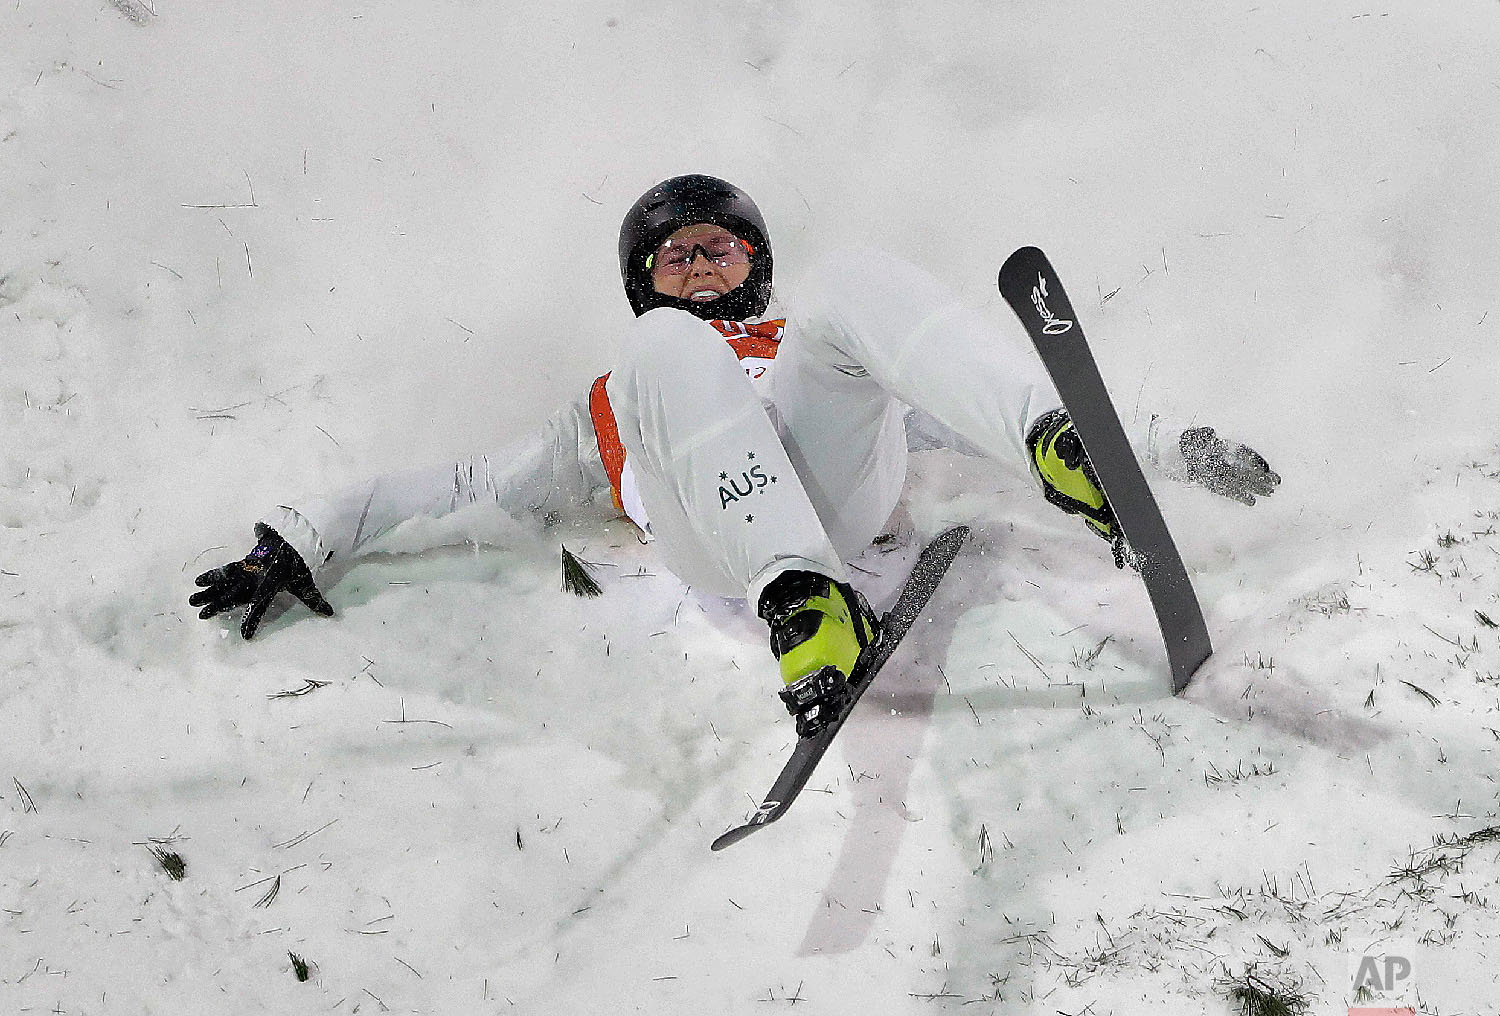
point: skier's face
(700, 262)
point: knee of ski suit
(897, 323)
(670, 343)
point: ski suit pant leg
(867, 336)
(727, 508)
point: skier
(759, 454)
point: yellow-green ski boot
(1068, 480)
(818, 629)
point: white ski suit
(744, 449)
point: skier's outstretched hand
(271, 567)
(1229, 469)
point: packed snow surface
(248, 250)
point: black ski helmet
(683, 201)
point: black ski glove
(271, 567)
(1228, 469)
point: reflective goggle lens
(675, 258)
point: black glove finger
(314, 599)
(252, 619)
(232, 592)
(308, 593)
(1263, 483)
(264, 594)
(215, 576)
(1258, 478)
(1251, 466)
(1235, 492)
(291, 573)
(234, 588)
(1246, 457)
(1238, 474)
(218, 605)
(1225, 485)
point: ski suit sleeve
(551, 470)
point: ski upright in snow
(932, 564)
(1031, 287)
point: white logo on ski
(763, 813)
(1051, 323)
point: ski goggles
(724, 250)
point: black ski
(918, 588)
(1031, 287)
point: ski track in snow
(248, 251)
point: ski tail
(931, 565)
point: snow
(251, 250)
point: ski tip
(1022, 257)
(732, 837)
(947, 544)
(959, 533)
(767, 813)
